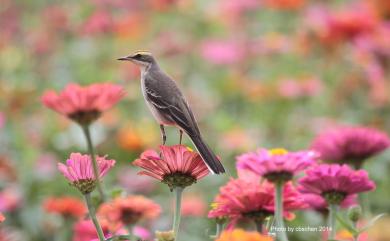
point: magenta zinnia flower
(319, 204)
(335, 182)
(79, 171)
(83, 104)
(240, 199)
(277, 164)
(350, 144)
(178, 166)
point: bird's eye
(138, 56)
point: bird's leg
(181, 135)
(163, 136)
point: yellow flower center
(278, 151)
(190, 149)
(214, 205)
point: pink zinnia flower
(84, 230)
(335, 182)
(350, 144)
(319, 203)
(222, 52)
(277, 164)
(142, 233)
(10, 199)
(178, 166)
(79, 171)
(83, 104)
(240, 199)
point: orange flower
(241, 235)
(346, 235)
(65, 206)
(132, 26)
(2, 218)
(130, 139)
(285, 4)
(129, 210)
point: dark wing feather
(163, 93)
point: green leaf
(347, 225)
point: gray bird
(169, 106)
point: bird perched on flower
(177, 166)
(169, 106)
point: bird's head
(140, 58)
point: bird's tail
(210, 159)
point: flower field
(286, 100)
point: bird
(169, 106)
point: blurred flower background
(257, 73)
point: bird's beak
(126, 58)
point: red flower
(247, 199)
(65, 206)
(83, 104)
(285, 4)
(332, 28)
(178, 167)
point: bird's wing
(163, 93)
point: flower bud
(165, 235)
(354, 213)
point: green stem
(177, 212)
(332, 220)
(219, 230)
(91, 151)
(365, 204)
(68, 229)
(130, 229)
(92, 214)
(281, 231)
(356, 236)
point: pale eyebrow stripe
(143, 52)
